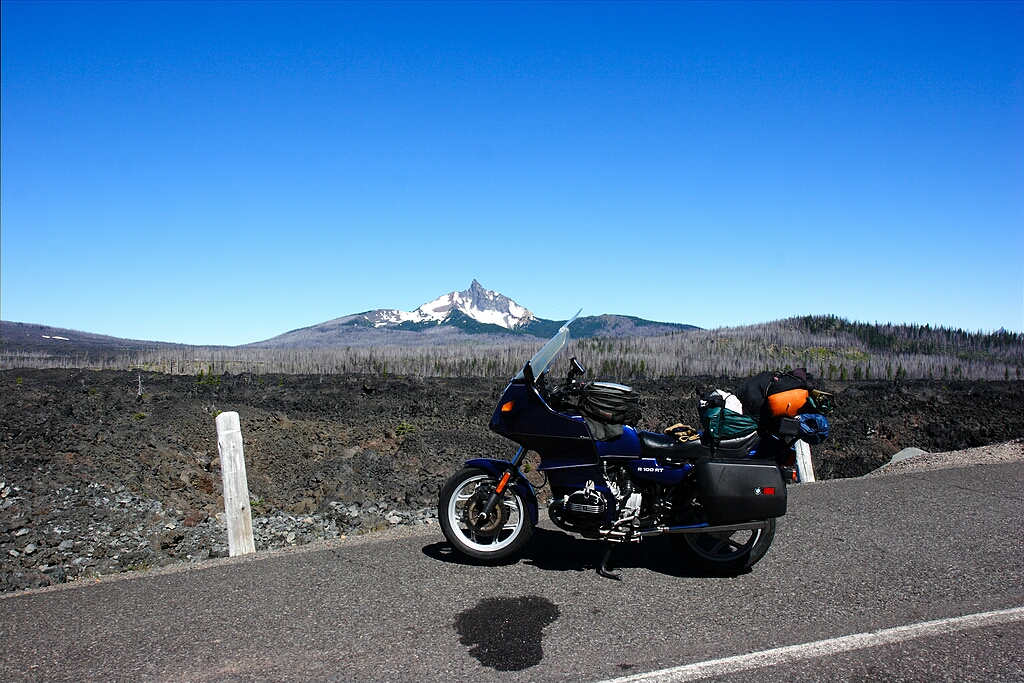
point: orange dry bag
(787, 402)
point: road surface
(856, 556)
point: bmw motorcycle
(719, 498)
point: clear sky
(222, 173)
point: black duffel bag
(754, 391)
(607, 406)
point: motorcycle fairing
(560, 440)
(506, 416)
(496, 468)
(575, 477)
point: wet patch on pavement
(505, 633)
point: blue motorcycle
(718, 497)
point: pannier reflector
(507, 407)
(769, 490)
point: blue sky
(221, 173)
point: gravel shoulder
(1012, 451)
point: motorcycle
(719, 498)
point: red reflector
(769, 490)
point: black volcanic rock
(95, 479)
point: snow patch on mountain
(391, 316)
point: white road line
(820, 648)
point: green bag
(721, 415)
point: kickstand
(603, 568)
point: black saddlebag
(740, 490)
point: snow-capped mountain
(479, 304)
(457, 316)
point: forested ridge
(828, 346)
(922, 339)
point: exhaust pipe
(704, 528)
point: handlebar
(570, 389)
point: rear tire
(499, 537)
(725, 553)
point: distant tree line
(829, 347)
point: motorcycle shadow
(558, 551)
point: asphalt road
(852, 556)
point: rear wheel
(726, 553)
(499, 536)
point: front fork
(506, 477)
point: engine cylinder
(585, 507)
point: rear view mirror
(528, 373)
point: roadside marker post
(804, 467)
(236, 486)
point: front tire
(724, 553)
(502, 535)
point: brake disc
(494, 522)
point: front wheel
(723, 553)
(501, 535)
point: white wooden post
(236, 487)
(804, 467)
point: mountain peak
(476, 310)
(478, 303)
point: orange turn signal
(507, 407)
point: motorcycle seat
(657, 445)
(739, 447)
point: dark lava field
(97, 477)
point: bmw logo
(757, 491)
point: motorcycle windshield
(543, 359)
